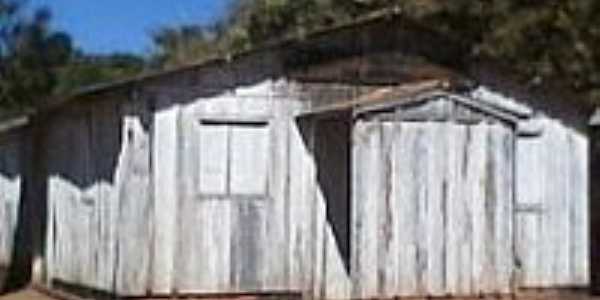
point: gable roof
(386, 98)
(383, 48)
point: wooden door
(432, 209)
(223, 246)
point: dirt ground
(26, 295)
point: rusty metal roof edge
(381, 96)
(410, 94)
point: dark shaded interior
(329, 139)
(333, 160)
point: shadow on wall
(331, 148)
(72, 154)
(18, 215)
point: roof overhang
(386, 98)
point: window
(234, 159)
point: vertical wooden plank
(166, 194)
(555, 225)
(249, 235)
(11, 173)
(465, 151)
(546, 244)
(203, 156)
(337, 283)
(314, 225)
(458, 210)
(77, 208)
(452, 211)
(579, 205)
(504, 146)
(308, 198)
(318, 211)
(189, 175)
(106, 144)
(409, 170)
(389, 233)
(275, 272)
(437, 194)
(135, 211)
(529, 193)
(476, 175)
(92, 201)
(299, 217)
(564, 193)
(367, 194)
(422, 154)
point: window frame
(230, 123)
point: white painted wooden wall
(98, 193)
(552, 207)
(432, 209)
(222, 195)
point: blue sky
(104, 26)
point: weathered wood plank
(274, 142)
(166, 193)
(579, 205)
(529, 192)
(248, 238)
(477, 177)
(367, 195)
(458, 235)
(136, 207)
(300, 176)
(389, 232)
(408, 195)
(11, 177)
(437, 193)
(504, 218)
(561, 155)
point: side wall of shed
(123, 216)
(552, 194)
(552, 209)
(98, 174)
(127, 214)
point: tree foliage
(84, 70)
(553, 39)
(176, 46)
(29, 55)
(37, 62)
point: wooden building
(376, 159)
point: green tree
(85, 70)
(176, 46)
(30, 53)
(542, 39)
